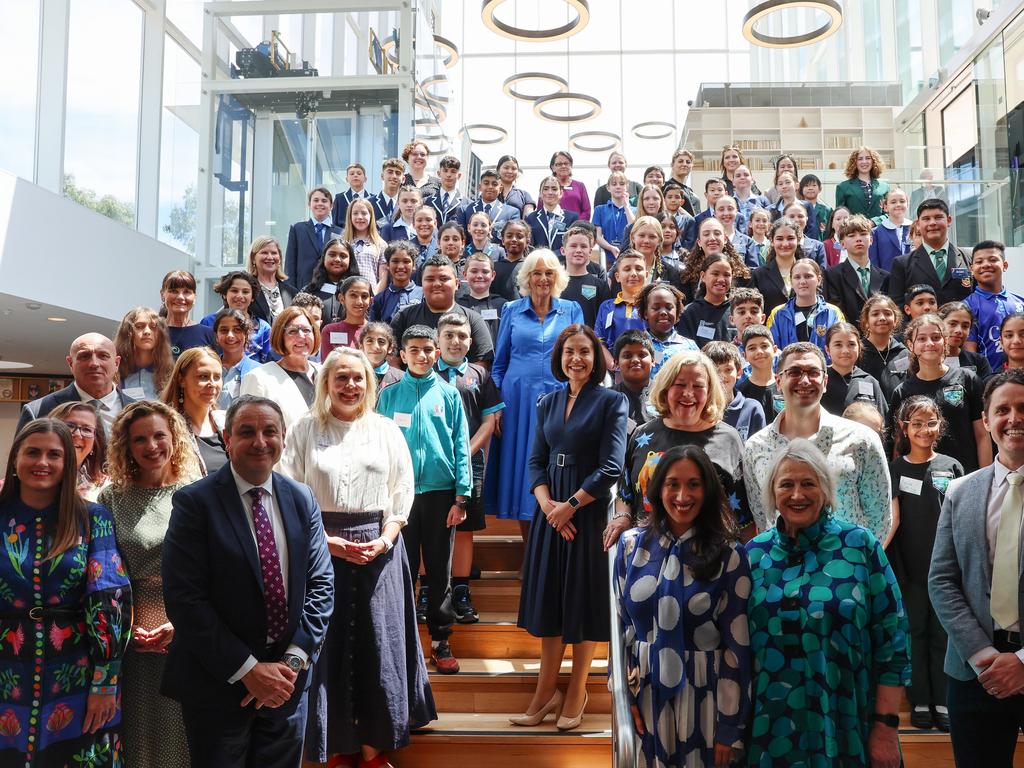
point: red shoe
(343, 761)
(441, 657)
(380, 761)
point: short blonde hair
(542, 257)
(617, 176)
(258, 244)
(714, 408)
(123, 469)
(321, 408)
(805, 452)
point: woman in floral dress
(65, 611)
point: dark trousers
(428, 530)
(927, 648)
(983, 728)
(244, 738)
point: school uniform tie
(319, 227)
(865, 279)
(270, 567)
(487, 210)
(1005, 566)
(444, 202)
(389, 208)
(939, 259)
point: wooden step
(489, 739)
(495, 594)
(497, 526)
(498, 552)
(495, 636)
(507, 685)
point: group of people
(216, 531)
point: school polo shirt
(612, 221)
(616, 316)
(989, 310)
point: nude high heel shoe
(554, 705)
(569, 723)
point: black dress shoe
(941, 720)
(921, 718)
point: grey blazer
(960, 579)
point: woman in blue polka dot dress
(682, 584)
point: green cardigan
(849, 195)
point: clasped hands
(270, 684)
(354, 552)
(559, 515)
(152, 640)
(1003, 676)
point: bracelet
(388, 545)
(617, 515)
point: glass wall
(102, 119)
(179, 148)
(20, 23)
(909, 53)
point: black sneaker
(421, 606)
(462, 602)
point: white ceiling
(27, 336)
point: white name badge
(865, 388)
(901, 365)
(800, 317)
(706, 331)
(910, 485)
(329, 288)
(339, 337)
(135, 393)
(609, 320)
(953, 363)
(403, 419)
(489, 314)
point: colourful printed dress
(50, 664)
(827, 626)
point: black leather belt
(1007, 642)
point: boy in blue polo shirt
(611, 218)
(990, 301)
(622, 313)
(400, 291)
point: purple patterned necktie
(270, 566)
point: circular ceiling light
(615, 141)
(582, 98)
(429, 82)
(389, 46)
(560, 85)
(500, 133)
(434, 110)
(638, 130)
(765, 9)
(492, 22)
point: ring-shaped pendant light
(389, 44)
(429, 82)
(433, 108)
(637, 130)
(762, 10)
(492, 22)
(543, 101)
(615, 141)
(502, 133)
(560, 85)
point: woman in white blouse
(370, 687)
(290, 381)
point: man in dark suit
(355, 175)
(306, 239)
(93, 362)
(936, 262)
(974, 586)
(249, 588)
(849, 284)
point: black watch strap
(893, 721)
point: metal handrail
(623, 730)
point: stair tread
(495, 724)
(503, 667)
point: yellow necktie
(1005, 568)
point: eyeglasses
(298, 331)
(86, 432)
(795, 374)
(933, 424)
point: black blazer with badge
(213, 591)
(844, 289)
(37, 409)
(917, 267)
(303, 250)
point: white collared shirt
(110, 405)
(326, 222)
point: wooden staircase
(499, 665)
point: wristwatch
(574, 502)
(462, 504)
(893, 721)
(295, 663)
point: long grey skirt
(370, 683)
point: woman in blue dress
(66, 609)
(686, 635)
(522, 370)
(577, 454)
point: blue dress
(687, 644)
(565, 583)
(522, 370)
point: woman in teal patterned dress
(827, 628)
(65, 611)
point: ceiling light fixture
(57, 319)
(429, 82)
(615, 143)
(502, 134)
(560, 84)
(762, 10)
(389, 47)
(543, 101)
(492, 22)
(637, 130)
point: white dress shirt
(110, 405)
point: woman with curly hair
(711, 241)
(144, 346)
(863, 190)
(150, 458)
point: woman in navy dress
(526, 335)
(577, 453)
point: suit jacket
(380, 212)
(768, 280)
(261, 307)
(272, 381)
(213, 590)
(917, 267)
(541, 236)
(886, 246)
(449, 212)
(303, 250)
(850, 195)
(843, 288)
(814, 249)
(40, 407)
(500, 215)
(960, 579)
(341, 203)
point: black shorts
(475, 518)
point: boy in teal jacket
(432, 418)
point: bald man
(93, 362)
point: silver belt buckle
(560, 460)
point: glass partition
(20, 22)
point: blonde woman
(266, 264)
(371, 676)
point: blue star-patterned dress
(827, 626)
(48, 667)
(688, 647)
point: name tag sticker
(800, 317)
(439, 410)
(910, 485)
(706, 331)
(329, 288)
(609, 320)
(489, 314)
(403, 420)
(135, 393)
(901, 365)
(865, 388)
(959, 273)
(339, 337)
